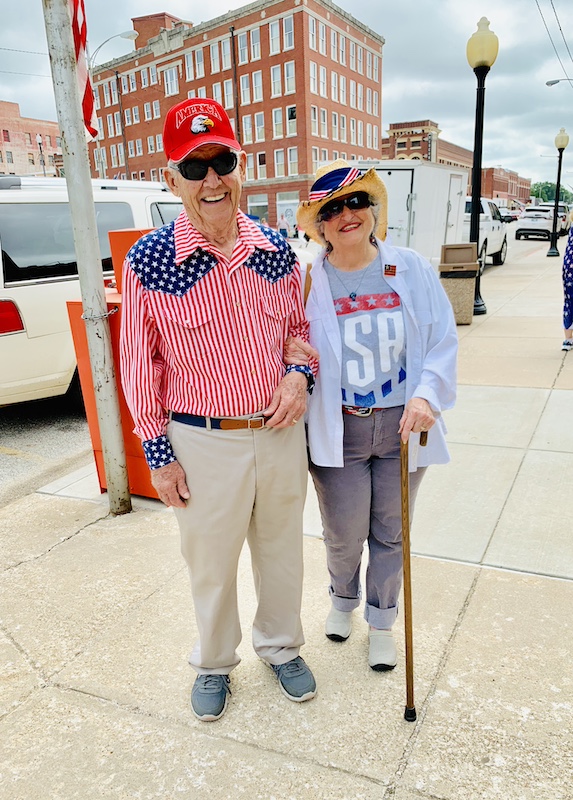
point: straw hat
(338, 180)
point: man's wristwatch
(306, 370)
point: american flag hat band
(332, 182)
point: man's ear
(169, 178)
(243, 164)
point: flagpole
(69, 105)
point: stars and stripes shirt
(201, 333)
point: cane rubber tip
(410, 714)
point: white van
(39, 272)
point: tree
(545, 191)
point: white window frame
(228, 93)
(152, 74)
(247, 129)
(151, 144)
(147, 112)
(242, 48)
(139, 147)
(322, 38)
(259, 126)
(315, 159)
(312, 33)
(156, 109)
(171, 81)
(199, 63)
(288, 78)
(255, 44)
(159, 142)
(324, 123)
(352, 59)
(245, 87)
(342, 49)
(274, 38)
(359, 60)
(216, 93)
(250, 176)
(333, 45)
(313, 69)
(278, 129)
(292, 160)
(342, 128)
(132, 82)
(290, 128)
(360, 97)
(117, 122)
(279, 161)
(334, 86)
(127, 115)
(144, 78)
(261, 168)
(288, 32)
(322, 82)
(135, 114)
(342, 90)
(226, 54)
(334, 126)
(131, 149)
(314, 120)
(257, 86)
(214, 57)
(276, 81)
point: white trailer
(426, 203)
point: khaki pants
(244, 484)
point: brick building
(420, 140)
(300, 79)
(22, 138)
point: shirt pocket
(187, 330)
(276, 309)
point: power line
(561, 31)
(32, 74)
(32, 52)
(551, 40)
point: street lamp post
(481, 51)
(561, 142)
(42, 159)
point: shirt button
(253, 372)
(237, 304)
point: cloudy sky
(425, 72)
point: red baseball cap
(193, 123)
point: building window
(360, 97)
(245, 90)
(323, 124)
(214, 54)
(368, 100)
(369, 64)
(343, 89)
(322, 38)
(135, 112)
(288, 33)
(113, 87)
(153, 174)
(117, 122)
(144, 78)
(352, 130)
(228, 93)
(293, 160)
(159, 142)
(127, 114)
(369, 135)
(279, 163)
(291, 120)
(171, 81)
(113, 155)
(142, 175)
(290, 86)
(375, 104)
(322, 82)
(277, 123)
(199, 63)
(274, 38)
(314, 159)
(156, 109)
(342, 49)
(360, 133)
(226, 53)
(97, 104)
(276, 86)
(314, 120)
(202, 91)
(313, 77)
(250, 167)
(401, 145)
(343, 128)
(147, 111)
(189, 67)
(257, 86)
(255, 44)
(375, 69)
(124, 84)
(261, 166)
(333, 45)
(138, 147)
(131, 149)
(151, 144)
(359, 60)
(312, 33)
(247, 129)
(30, 158)
(106, 97)
(259, 127)
(9, 157)
(121, 155)
(152, 74)
(353, 56)
(243, 48)
(216, 93)
(334, 86)
(132, 82)
(324, 154)
(352, 94)
(334, 126)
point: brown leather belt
(220, 423)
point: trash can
(458, 271)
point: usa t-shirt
(371, 324)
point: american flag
(80, 33)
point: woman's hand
(298, 352)
(417, 417)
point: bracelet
(306, 371)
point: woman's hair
(320, 225)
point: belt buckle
(260, 423)
(367, 412)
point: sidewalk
(96, 619)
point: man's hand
(170, 484)
(288, 402)
(417, 417)
(298, 352)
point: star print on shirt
(272, 266)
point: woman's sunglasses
(354, 202)
(196, 169)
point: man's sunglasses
(354, 202)
(196, 169)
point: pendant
(353, 296)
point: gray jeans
(361, 502)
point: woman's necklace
(351, 295)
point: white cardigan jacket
(431, 353)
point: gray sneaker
(295, 679)
(567, 344)
(209, 696)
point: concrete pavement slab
(499, 325)
(500, 721)
(555, 431)
(18, 678)
(510, 347)
(508, 371)
(534, 530)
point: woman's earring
(372, 239)
(328, 248)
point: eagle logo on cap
(201, 124)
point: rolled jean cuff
(343, 603)
(380, 618)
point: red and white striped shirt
(202, 334)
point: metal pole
(480, 73)
(553, 251)
(235, 85)
(120, 98)
(76, 161)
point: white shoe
(382, 654)
(338, 625)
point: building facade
(28, 146)
(300, 80)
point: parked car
(492, 232)
(563, 222)
(535, 221)
(38, 273)
(509, 214)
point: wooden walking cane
(410, 711)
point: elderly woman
(386, 336)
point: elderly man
(209, 301)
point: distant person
(283, 226)
(208, 303)
(264, 221)
(387, 340)
(568, 290)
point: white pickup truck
(492, 232)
